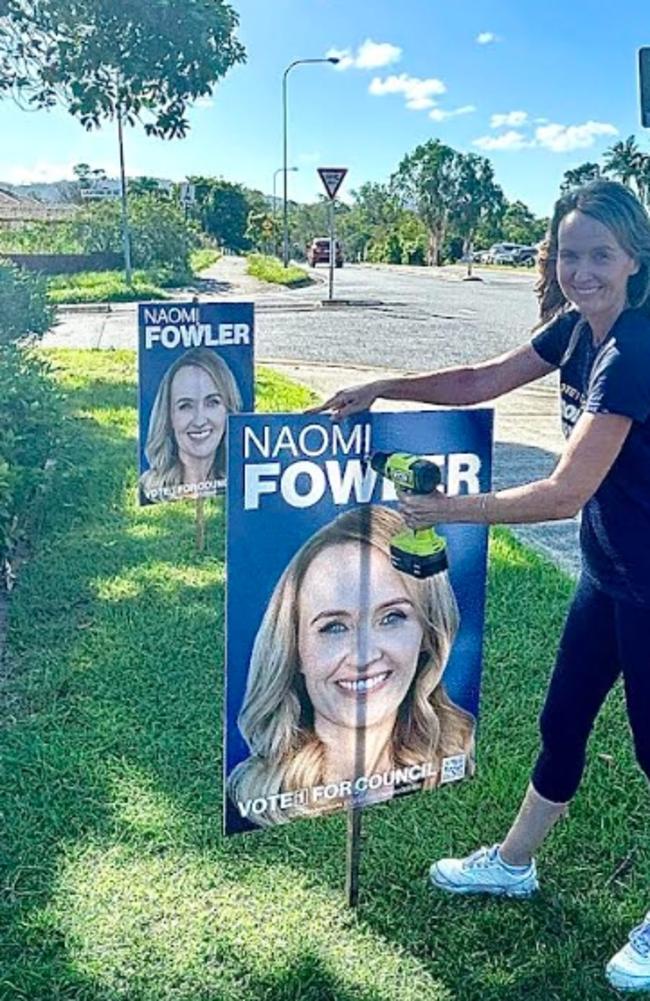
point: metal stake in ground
(200, 524)
(353, 859)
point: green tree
(477, 198)
(262, 231)
(578, 176)
(625, 161)
(139, 61)
(145, 186)
(425, 182)
(520, 225)
(375, 211)
(222, 210)
(161, 236)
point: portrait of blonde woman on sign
(347, 643)
(185, 445)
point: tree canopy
(145, 60)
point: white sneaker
(629, 969)
(484, 872)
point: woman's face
(198, 414)
(359, 637)
(592, 267)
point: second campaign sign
(348, 677)
(195, 364)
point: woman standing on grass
(594, 296)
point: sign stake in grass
(200, 524)
(353, 859)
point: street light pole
(126, 239)
(275, 208)
(285, 216)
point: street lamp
(275, 174)
(285, 221)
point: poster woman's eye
(393, 618)
(333, 628)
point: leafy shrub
(24, 308)
(30, 422)
(161, 236)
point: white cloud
(551, 136)
(564, 138)
(509, 140)
(206, 101)
(369, 56)
(485, 37)
(417, 93)
(511, 118)
(439, 115)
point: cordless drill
(419, 552)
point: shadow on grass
(117, 880)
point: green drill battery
(420, 552)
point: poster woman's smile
(359, 637)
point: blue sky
(538, 88)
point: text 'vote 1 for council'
(195, 367)
(353, 645)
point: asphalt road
(400, 318)
(418, 318)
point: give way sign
(332, 178)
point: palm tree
(624, 160)
(579, 175)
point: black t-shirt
(612, 377)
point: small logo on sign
(453, 768)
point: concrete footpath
(527, 435)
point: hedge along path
(117, 882)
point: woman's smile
(363, 684)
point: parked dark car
(319, 252)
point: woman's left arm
(591, 451)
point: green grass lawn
(271, 269)
(110, 286)
(203, 258)
(103, 286)
(115, 880)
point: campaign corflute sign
(347, 679)
(195, 367)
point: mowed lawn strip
(116, 881)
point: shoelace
(640, 937)
(480, 859)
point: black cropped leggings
(602, 639)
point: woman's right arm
(451, 387)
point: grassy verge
(203, 258)
(116, 881)
(103, 286)
(270, 269)
(110, 286)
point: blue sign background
(260, 543)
